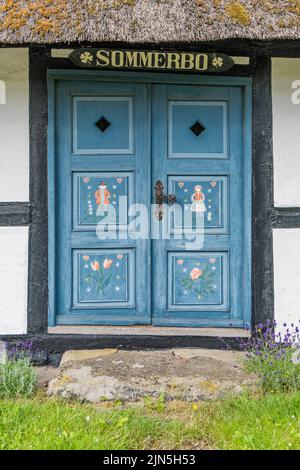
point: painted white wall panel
(14, 126)
(286, 140)
(287, 275)
(13, 279)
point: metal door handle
(161, 198)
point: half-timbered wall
(14, 189)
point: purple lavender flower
(17, 350)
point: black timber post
(262, 264)
(38, 231)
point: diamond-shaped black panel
(103, 124)
(197, 128)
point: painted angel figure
(102, 196)
(198, 199)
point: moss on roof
(42, 21)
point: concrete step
(178, 374)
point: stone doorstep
(85, 354)
(183, 353)
(181, 374)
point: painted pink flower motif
(196, 273)
(119, 180)
(180, 261)
(120, 256)
(213, 184)
(107, 263)
(86, 258)
(181, 184)
(212, 260)
(95, 265)
(86, 180)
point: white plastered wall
(287, 275)
(286, 131)
(14, 187)
(14, 126)
(13, 279)
(286, 143)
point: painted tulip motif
(100, 277)
(181, 184)
(86, 180)
(213, 184)
(107, 263)
(180, 262)
(120, 257)
(95, 265)
(86, 258)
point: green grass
(265, 422)
(268, 422)
(53, 424)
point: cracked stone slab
(187, 374)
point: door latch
(161, 198)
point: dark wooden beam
(38, 232)
(262, 264)
(236, 46)
(48, 348)
(286, 217)
(14, 213)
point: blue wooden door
(101, 154)
(113, 141)
(198, 151)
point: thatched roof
(142, 21)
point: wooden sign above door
(172, 61)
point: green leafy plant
(275, 358)
(155, 404)
(17, 376)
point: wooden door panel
(198, 281)
(102, 125)
(201, 282)
(197, 129)
(90, 208)
(214, 206)
(102, 154)
(115, 140)
(103, 278)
